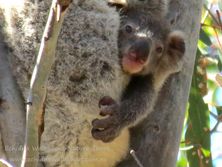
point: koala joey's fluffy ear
(176, 44)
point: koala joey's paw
(175, 50)
(107, 129)
(107, 134)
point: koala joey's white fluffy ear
(176, 43)
(122, 3)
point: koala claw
(107, 129)
(106, 135)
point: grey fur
(86, 69)
(156, 7)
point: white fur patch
(147, 34)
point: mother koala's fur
(86, 69)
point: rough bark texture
(156, 139)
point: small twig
(211, 14)
(218, 39)
(213, 115)
(133, 153)
(4, 163)
(215, 127)
(39, 79)
(185, 142)
(219, 120)
(186, 148)
(219, 18)
(206, 14)
(211, 26)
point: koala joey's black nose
(142, 48)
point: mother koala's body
(85, 70)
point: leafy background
(201, 141)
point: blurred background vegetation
(201, 142)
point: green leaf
(182, 162)
(206, 152)
(211, 85)
(220, 65)
(198, 130)
(204, 37)
(203, 47)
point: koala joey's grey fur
(85, 69)
(159, 7)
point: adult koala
(85, 70)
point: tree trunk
(156, 140)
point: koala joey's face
(142, 41)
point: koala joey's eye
(159, 49)
(129, 29)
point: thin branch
(217, 124)
(207, 12)
(215, 127)
(219, 120)
(211, 14)
(186, 148)
(4, 163)
(218, 39)
(211, 26)
(219, 18)
(39, 79)
(213, 115)
(133, 153)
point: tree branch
(39, 79)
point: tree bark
(156, 140)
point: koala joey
(149, 52)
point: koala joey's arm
(140, 95)
(136, 101)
